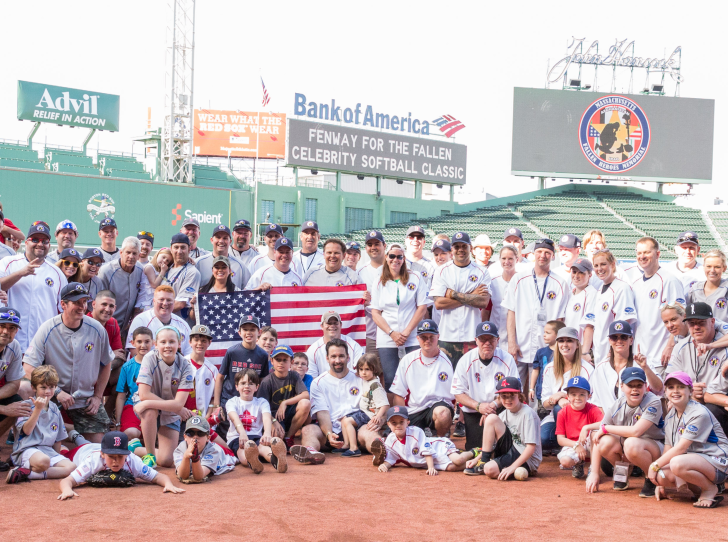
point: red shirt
(8, 223)
(569, 421)
(114, 333)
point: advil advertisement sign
(239, 133)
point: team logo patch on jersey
(714, 361)
(354, 391)
(618, 327)
(720, 303)
(551, 294)
(692, 428)
(442, 376)
(49, 281)
(207, 457)
(605, 307)
(89, 346)
(651, 410)
(614, 134)
(294, 283)
(175, 381)
(636, 418)
(207, 382)
(411, 286)
(139, 285)
(4, 366)
(415, 450)
(628, 310)
(681, 430)
(653, 294)
(472, 278)
(477, 377)
(54, 427)
(577, 307)
(499, 376)
(590, 316)
(145, 469)
(339, 283)
(189, 290)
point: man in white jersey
(33, 285)
(369, 274)
(309, 257)
(651, 290)
(273, 232)
(191, 228)
(108, 232)
(475, 380)
(158, 316)
(414, 242)
(332, 272)
(66, 235)
(352, 255)
(316, 353)
(686, 268)
(183, 277)
(442, 254)
(423, 381)
(220, 240)
(279, 272)
(569, 248)
(533, 298)
(241, 248)
(581, 301)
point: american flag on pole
(266, 97)
(294, 312)
(449, 125)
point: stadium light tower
(177, 134)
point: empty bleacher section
(214, 177)
(720, 221)
(19, 156)
(121, 166)
(69, 161)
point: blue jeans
(548, 432)
(389, 358)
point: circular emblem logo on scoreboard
(614, 134)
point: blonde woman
(713, 290)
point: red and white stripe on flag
(296, 313)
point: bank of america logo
(449, 125)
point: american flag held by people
(294, 312)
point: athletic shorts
(505, 453)
(288, 420)
(423, 418)
(27, 454)
(9, 401)
(360, 418)
(473, 430)
(720, 477)
(129, 419)
(454, 351)
(87, 423)
(569, 452)
(234, 444)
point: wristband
(655, 467)
(574, 446)
(390, 332)
(604, 429)
(477, 407)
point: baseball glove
(109, 478)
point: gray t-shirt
(321, 277)
(76, 355)
(240, 274)
(166, 380)
(698, 425)
(125, 286)
(650, 408)
(718, 300)
(11, 363)
(700, 368)
(525, 428)
(48, 430)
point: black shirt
(235, 360)
(276, 390)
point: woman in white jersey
(567, 361)
(605, 379)
(581, 302)
(713, 290)
(507, 258)
(614, 301)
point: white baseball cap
(483, 240)
(66, 225)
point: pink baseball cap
(682, 377)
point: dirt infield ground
(348, 499)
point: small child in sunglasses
(196, 458)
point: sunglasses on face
(194, 433)
(420, 237)
(68, 263)
(395, 256)
(39, 241)
(94, 264)
(620, 337)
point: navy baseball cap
(242, 224)
(179, 238)
(544, 243)
(309, 225)
(442, 244)
(397, 411)
(92, 253)
(73, 291)
(511, 232)
(149, 236)
(633, 373)
(375, 235)
(190, 222)
(461, 237)
(282, 349)
(583, 265)
(578, 382)
(222, 228)
(687, 237)
(283, 242)
(486, 328)
(273, 227)
(39, 228)
(620, 327)
(70, 253)
(570, 241)
(428, 326)
(698, 311)
(509, 384)
(9, 315)
(249, 319)
(415, 229)
(353, 245)
(115, 443)
(107, 222)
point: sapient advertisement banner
(68, 106)
(240, 133)
(351, 150)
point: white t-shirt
(615, 303)
(687, 278)
(398, 303)
(651, 334)
(149, 319)
(499, 314)
(369, 275)
(337, 396)
(424, 381)
(521, 298)
(250, 414)
(580, 304)
(316, 353)
(458, 325)
(89, 461)
(319, 276)
(478, 380)
(274, 277)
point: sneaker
(307, 455)
(578, 471)
(620, 486)
(339, 450)
(134, 444)
(459, 430)
(73, 435)
(17, 475)
(4, 466)
(648, 489)
(379, 451)
(278, 459)
(11, 439)
(251, 455)
(351, 453)
(721, 488)
(149, 460)
(289, 443)
(477, 470)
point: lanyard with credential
(172, 282)
(540, 295)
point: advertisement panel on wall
(239, 133)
